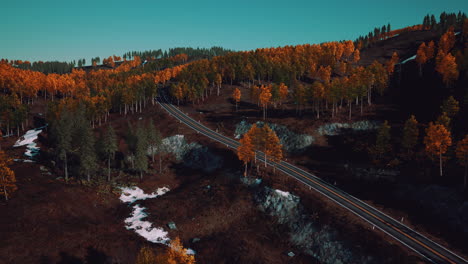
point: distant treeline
(47, 66)
(192, 53)
(446, 20)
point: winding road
(422, 245)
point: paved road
(422, 245)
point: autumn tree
(421, 57)
(461, 153)
(283, 92)
(448, 69)
(7, 176)
(236, 96)
(437, 141)
(176, 254)
(274, 149)
(392, 62)
(245, 151)
(265, 97)
(109, 143)
(410, 135)
(430, 50)
(450, 106)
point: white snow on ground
(283, 193)
(456, 33)
(408, 59)
(28, 140)
(131, 195)
(190, 251)
(135, 221)
(145, 228)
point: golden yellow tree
(245, 151)
(265, 97)
(236, 95)
(462, 155)
(437, 142)
(175, 254)
(7, 176)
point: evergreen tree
(382, 145)
(87, 153)
(154, 142)
(410, 135)
(450, 106)
(63, 128)
(110, 147)
(444, 120)
(141, 160)
(131, 141)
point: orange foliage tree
(236, 96)
(448, 69)
(7, 176)
(437, 141)
(265, 97)
(421, 57)
(245, 151)
(462, 156)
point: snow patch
(283, 193)
(144, 228)
(408, 59)
(334, 129)
(190, 251)
(28, 140)
(135, 221)
(133, 194)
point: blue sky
(67, 30)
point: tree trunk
(245, 171)
(466, 175)
(89, 177)
(108, 169)
(4, 188)
(160, 164)
(66, 168)
(349, 102)
(440, 161)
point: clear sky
(67, 30)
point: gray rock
(333, 129)
(195, 240)
(43, 169)
(320, 242)
(172, 225)
(291, 141)
(291, 254)
(192, 154)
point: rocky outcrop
(373, 174)
(291, 141)
(321, 242)
(193, 155)
(333, 129)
